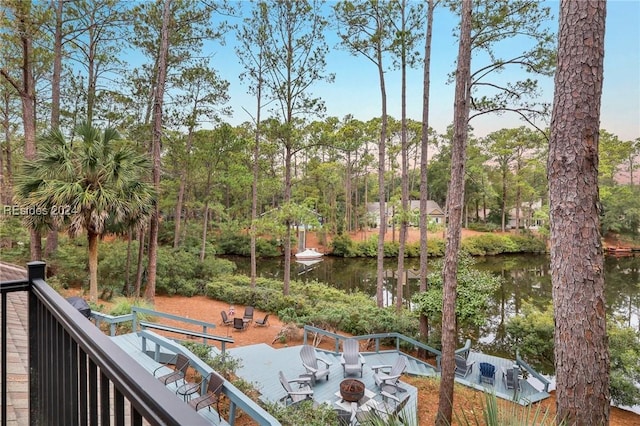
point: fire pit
(351, 390)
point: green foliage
(112, 268)
(474, 291)
(303, 413)
(624, 349)
(14, 239)
(181, 272)
(494, 414)
(343, 245)
(69, 262)
(313, 303)
(483, 226)
(240, 244)
(621, 209)
(224, 364)
(493, 244)
(123, 306)
(532, 333)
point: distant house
(526, 215)
(435, 213)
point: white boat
(309, 262)
(308, 254)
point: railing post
(36, 270)
(232, 413)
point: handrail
(236, 397)
(137, 309)
(147, 396)
(377, 337)
(205, 336)
(533, 372)
(112, 320)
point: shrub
(343, 245)
(303, 413)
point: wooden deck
(261, 363)
(132, 345)
(528, 393)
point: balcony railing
(77, 375)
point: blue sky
(356, 90)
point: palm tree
(90, 183)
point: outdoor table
(187, 390)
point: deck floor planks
(261, 363)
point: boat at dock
(309, 254)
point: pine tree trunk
(455, 200)
(577, 273)
(93, 266)
(150, 290)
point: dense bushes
(492, 244)
(344, 246)
(313, 303)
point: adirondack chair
(392, 376)
(351, 359)
(487, 373)
(510, 377)
(311, 363)
(303, 392)
(463, 367)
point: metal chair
(239, 324)
(225, 319)
(181, 364)
(210, 396)
(263, 322)
(248, 314)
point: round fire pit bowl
(351, 390)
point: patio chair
(463, 367)
(263, 322)
(511, 377)
(303, 392)
(225, 319)
(211, 395)
(310, 361)
(239, 324)
(487, 373)
(248, 314)
(351, 359)
(180, 363)
(389, 375)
